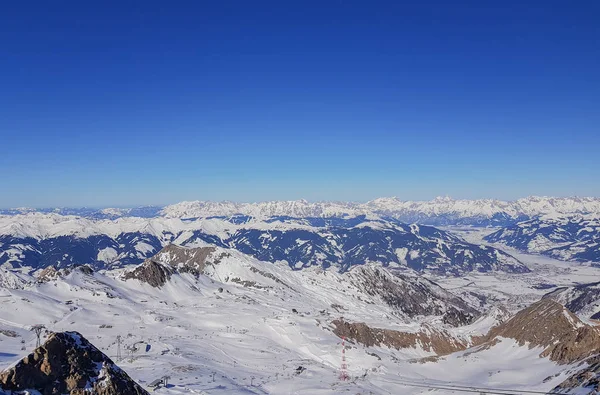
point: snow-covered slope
(582, 299)
(227, 322)
(39, 240)
(568, 238)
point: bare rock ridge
(68, 364)
(151, 272)
(548, 324)
(157, 270)
(563, 337)
(415, 295)
(433, 340)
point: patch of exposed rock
(414, 296)
(48, 274)
(153, 273)
(158, 269)
(68, 364)
(187, 260)
(430, 339)
(584, 381)
(51, 273)
(563, 337)
(548, 324)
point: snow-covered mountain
(213, 318)
(40, 240)
(582, 299)
(96, 213)
(568, 238)
(407, 295)
(422, 248)
(440, 211)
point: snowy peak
(439, 211)
(293, 208)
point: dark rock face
(187, 260)
(68, 364)
(414, 295)
(157, 270)
(151, 272)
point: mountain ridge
(439, 211)
(41, 240)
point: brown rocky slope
(439, 342)
(548, 324)
(562, 336)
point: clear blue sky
(151, 102)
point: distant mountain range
(38, 240)
(437, 212)
(305, 234)
(574, 238)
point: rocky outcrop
(584, 381)
(414, 295)
(188, 260)
(48, 274)
(562, 336)
(548, 324)
(68, 364)
(51, 273)
(158, 269)
(429, 339)
(150, 272)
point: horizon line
(437, 198)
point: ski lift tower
(38, 333)
(119, 348)
(344, 367)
